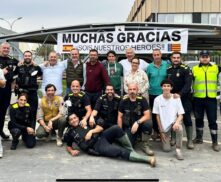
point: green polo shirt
(156, 75)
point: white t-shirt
(127, 65)
(2, 77)
(168, 110)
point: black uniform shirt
(181, 76)
(108, 110)
(21, 117)
(11, 64)
(26, 79)
(133, 110)
(78, 104)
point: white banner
(142, 41)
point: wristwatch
(138, 122)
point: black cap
(204, 53)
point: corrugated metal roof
(200, 36)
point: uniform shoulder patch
(169, 67)
(117, 96)
(15, 105)
(81, 94)
(139, 97)
(125, 97)
(27, 104)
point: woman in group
(21, 122)
(137, 76)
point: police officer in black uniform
(21, 122)
(133, 117)
(95, 142)
(77, 102)
(181, 76)
(27, 80)
(106, 108)
(8, 65)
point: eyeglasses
(135, 63)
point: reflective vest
(52, 110)
(205, 81)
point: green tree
(44, 50)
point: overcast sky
(50, 13)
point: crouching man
(96, 142)
(169, 111)
(50, 115)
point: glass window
(213, 19)
(170, 18)
(205, 18)
(187, 18)
(162, 18)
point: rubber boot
(125, 142)
(173, 138)
(136, 157)
(146, 144)
(189, 135)
(199, 136)
(214, 137)
(14, 144)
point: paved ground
(47, 162)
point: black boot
(214, 137)
(14, 144)
(199, 136)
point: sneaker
(1, 154)
(179, 154)
(59, 142)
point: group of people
(103, 113)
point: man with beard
(50, 115)
(96, 77)
(8, 65)
(134, 117)
(78, 103)
(106, 108)
(27, 80)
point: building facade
(176, 11)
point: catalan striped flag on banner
(174, 47)
(67, 48)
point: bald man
(126, 63)
(134, 117)
(8, 65)
(78, 102)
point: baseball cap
(204, 53)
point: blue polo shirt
(156, 75)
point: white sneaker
(59, 141)
(179, 154)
